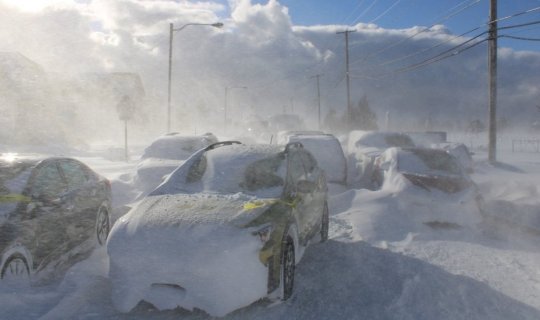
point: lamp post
(171, 31)
(225, 105)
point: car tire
(325, 224)
(288, 265)
(16, 271)
(103, 225)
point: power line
(427, 49)
(453, 51)
(386, 11)
(519, 38)
(450, 15)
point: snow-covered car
(425, 179)
(165, 154)
(460, 151)
(326, 149)
(364, 146)
(224, 230)
(53, 211)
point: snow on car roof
(378, 139)
(223, 169)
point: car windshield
(428, 162)
(228, 172)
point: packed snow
(381, 262)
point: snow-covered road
(376, 265)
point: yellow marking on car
(14, 197)
(251, 205)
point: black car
(52, 213)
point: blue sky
(408, 13)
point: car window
(296, 168)
(48, 183)
(263, 174)
(309, 161)
(74, 173)
(428, 161)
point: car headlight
(264, 232)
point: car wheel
(102, 225)
(325, 223)
(287, 268)
(15, 271)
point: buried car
(165, 154)
(52, 213)
(364, 147)
(224, 230)
(432, 184)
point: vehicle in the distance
(432, 183)
(326, 149)
(364, 146)
(165, 154)
(224, 230)
(53, 211)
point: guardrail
(525, 145)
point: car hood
(192, 209)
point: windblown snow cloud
(260, 48)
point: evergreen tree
(362, 117)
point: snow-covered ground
(378, 264)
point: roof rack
(220, 144)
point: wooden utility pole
(318, 76)
(492, 69)
(347, 75)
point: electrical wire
(395, 44)
(386, 11)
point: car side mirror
(305, 186)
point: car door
(46, 214)
(315, 195)
(82, 194)
(299, 199)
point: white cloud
(260, 48)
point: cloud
(259, 47)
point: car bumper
(213, 268)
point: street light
(171, 31)
(225, 105)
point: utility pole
(492, 67)
(318, 76)
(171, 30)
(346, 33)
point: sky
(275, 48)
(398, 14)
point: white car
(223, 231)
(432, 185)
(363, 147)
(326, 149)
(165, 154)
